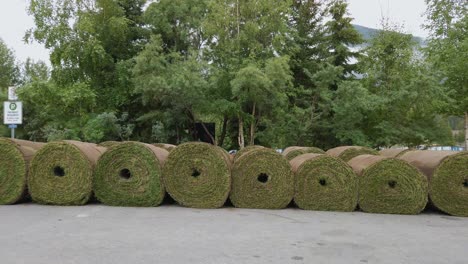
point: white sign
(12, 96)
(13, 113)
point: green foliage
(8, 67)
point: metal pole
(13, 133)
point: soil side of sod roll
(61, 173)
(198, 175)
(261, 179)
(130, 174)
(324, 183)
(393, 153)
(168, 147)
(292, 152)
(346, 153)
(15, 156)
(447, 172)
(389, 185)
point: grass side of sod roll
(109, 144)
(324, 183)
(198, 175)
(130, 174)
(61, 173)
(15, 156)
(389, 185)
(447, 172)
(262, 179)
(346, 153)
(292, 152)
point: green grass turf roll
(168, 147)
(393, 153)
(263, 179)
(130, 174)
(346, 153)
(292, 152)
(447, 172)
(15, 156)
(109, 144)
(198, 175)
(389, 185)
(324, 183)
(61, 173)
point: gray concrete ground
(170, 234)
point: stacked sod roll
(168, 147)
(393, 153)
(447, 172)
(262, 179)
(61, 173)
(15, 156)
(389, 185)
(292, 152)
(346, 153)
(130, 174)
(198, 175)
(324, 183)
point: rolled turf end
(61, 173)
(130, 174)
(447, 172)
(324, 183)
(346, 153)
(14, 160)
(292, 152)
(261, 179)
(198, 175)
(389, 185)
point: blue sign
(12, 126)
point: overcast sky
(14, 21)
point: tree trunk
(466, 131)
(240, 137)
(223, 132)
(252, 126)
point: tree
(8, 68)
(242, 35)
(406, 98)
(447, 21)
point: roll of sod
(346, 153)
(15, 156)
(129, 174)
(198, 175)
(245, 150)
(168, 147)
(263, 179)
(109, 144)
(324, 183)
(61, 173)
(447, 172)
(292, 152)
(389, 185)
(393, 153)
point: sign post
(13, 115)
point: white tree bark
(466, 131)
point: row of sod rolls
(292, 152)
(15, 156)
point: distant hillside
(368, 33)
